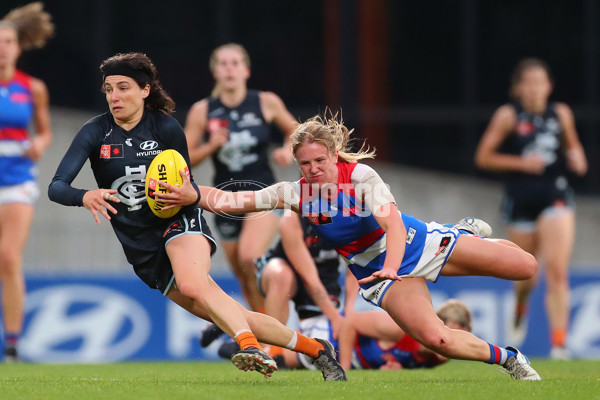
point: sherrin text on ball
(164, 167)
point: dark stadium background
(420, 79)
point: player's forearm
(222, 202)
(396, 245)
(322, 299)
(61, 192)
(200, 153)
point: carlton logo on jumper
(83, 323)
(130, 188)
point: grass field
(220, 380)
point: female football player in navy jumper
(233, 127)
(171, 255)
(390, 253)
(23, 99)
(541, 146)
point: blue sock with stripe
(11, 339)
(499, 355)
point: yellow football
(164, 167)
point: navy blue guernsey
(244, 156)
(539, 135)
(119, 160)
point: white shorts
(314, 327)
(27, 193)
(439, 244)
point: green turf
(201, 380)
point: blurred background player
(372, 340)
(23, 99)
(233, 127)
(535, 143)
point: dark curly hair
(147, 74)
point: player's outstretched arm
(270, 198)
(220, 201)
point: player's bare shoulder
(271, 105)
(39, 89)
(506, 112)
(199, 108)
(564, 111)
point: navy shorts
(522, 210)
(157, 272)
(229, 228)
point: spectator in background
(535, 143)
(372, 340)
(233, 127)
(23, 99)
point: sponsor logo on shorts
(375, 292)
(444, 244)
(410, 235)
(174, 225)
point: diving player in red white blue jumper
(390, 253)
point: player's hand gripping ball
(165, 167)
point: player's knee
(557, 276)
(435, 339)
(191, 290)
(279, 281)
(10, 262)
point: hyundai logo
(83, 323)
(148, 145)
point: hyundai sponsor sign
(104, 319)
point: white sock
(242, 331)
(292, 344)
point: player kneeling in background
(301, 267)
(372, 340)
